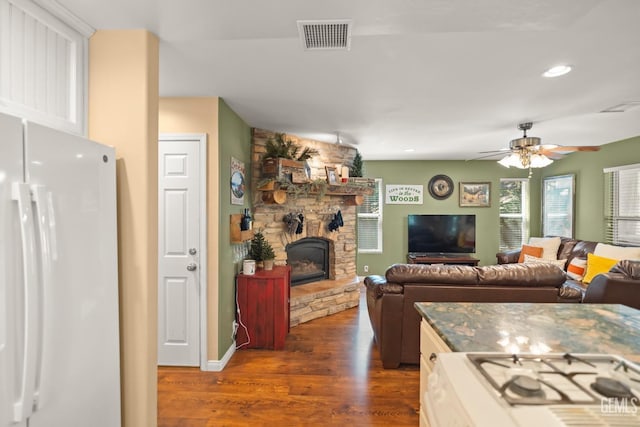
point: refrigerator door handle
(47, 236)
(23, 406)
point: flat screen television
(442, 234)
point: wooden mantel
(353, 192)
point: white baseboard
(218, 365)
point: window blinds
(514, 213)
(370, 221)
(557, 206)
(622, 205)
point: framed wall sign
(237, 182)
(475, 194)
(404, 194)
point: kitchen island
(524, 328)
(535, 328)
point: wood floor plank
(329, 373)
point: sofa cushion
(571, 291)
(521, 275)
(560, 263)
(535, 251)
(435, 273)
(577, 268)
(549, 245)
(617, 252)
(565, 251)
(582, 248)
(379, 286)
(597, 265)
(630, 269)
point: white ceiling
(447, 78)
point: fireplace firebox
(309, 260)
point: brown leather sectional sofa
(621, 285)
(396, 323)
(390, 299)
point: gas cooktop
(532, 390)
(526, 379)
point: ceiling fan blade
(494, 154)
(569, 149)
(502, 150)
(553, 155)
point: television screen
(442, 234)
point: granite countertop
(535, 328)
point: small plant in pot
(262, 251)
(280, 147)
(283, 158)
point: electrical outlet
(235, 330)
(366, 268)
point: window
(557, 206)
(622, 205)
(370, 221)
(43, 63)
(514, 213)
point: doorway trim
(202, 267)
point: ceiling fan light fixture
(525, 160)
(539, 161)
(511, 160)
(557, 71)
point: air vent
(621, 108)
(323, 35)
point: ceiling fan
(528, 152)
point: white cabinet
(430, 345)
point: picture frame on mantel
(475, 194)
(332, 175)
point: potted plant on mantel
(261, 251)
(283, 158)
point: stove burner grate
(609, 387)
(529, 379)
(526, 386)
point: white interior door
(180, 240)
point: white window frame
(614, 233)
(378, 183)
(567, 215)
(524, 209)
(44, 64)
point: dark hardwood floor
(328, 374)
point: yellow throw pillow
(596, 265)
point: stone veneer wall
(317, 211)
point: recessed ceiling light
(558, 70)
(409, 150)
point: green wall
(589, 197)
(589, 191)
(234, 137)
(394, 236)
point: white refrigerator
(59, 333)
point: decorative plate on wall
(440, 187)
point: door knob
(191, 267)
(193, 251)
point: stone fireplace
(309, 260)
(311, 298)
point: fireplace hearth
(309, 260)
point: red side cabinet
(263, 302)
